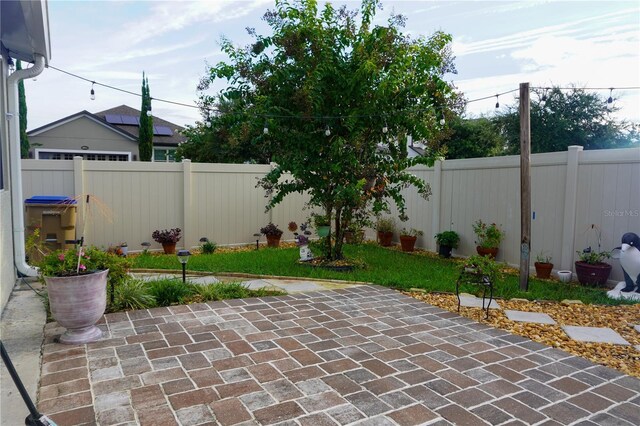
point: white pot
(565, 276)
(305, 253)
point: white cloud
(172, 16)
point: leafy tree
(574, 117)
(22, 108)
(145, 135)
(474, 138)
(225, 139)
(327, 85)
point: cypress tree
(145, 135)
(22, 108)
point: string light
(385, 129)
(92, 94)
(327, 132)
(266, 128)
(610, 100)
(442, 121)
(497, 101)
(149, 108)
(12, 66)
(544, 96)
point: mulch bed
(619, 318)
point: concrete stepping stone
(209, 279)
(594, 334)
(535, 317)
(294, 286)
(638, 348)
(476, 302)
(637, 327)
(257, 284)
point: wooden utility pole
(525, 186)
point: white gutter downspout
(15, 166)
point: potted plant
(322, 224)
(543, 266)
(489, 238)
(206, 246)
(273, 234)
(168, 238)
(76, 281)
(302, 240)
(483, 266)
(385, 226)
(408, 238)
(447, 240)
(591, 268)
(124, 249)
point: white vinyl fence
(574, 194)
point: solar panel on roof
(130, 120)
(113, 119)
(162, 131)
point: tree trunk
(339, 235)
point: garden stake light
(183, 257)
(257, 235)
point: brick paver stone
(363, 355)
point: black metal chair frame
(474, 277)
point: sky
(497, 45)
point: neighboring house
(24, 35)
(110, 135)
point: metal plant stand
(34, 418)
(474, 277)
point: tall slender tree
(22, 107)
(145, 135)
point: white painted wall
(221, 201)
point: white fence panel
(222, 202)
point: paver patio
(366, 355)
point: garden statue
(630, 262)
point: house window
(93, 156)
(167, 155)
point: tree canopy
(564, 118)
(473, 138)
(338, 95)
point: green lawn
(385, 267)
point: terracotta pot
(407, 243)
(593, 275)
(351, 237)
(384, 238)
(77, 303)
(169, 248)
(543, 270)
(444, 250)
(492, 252)
(273, 240)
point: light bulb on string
(207, 123)
(610, 100)
(265, 130)
(544, 95)
(327, 131)
(385, 129)
(12, 66)
(442, 121)
(497, 101)
(149, 108)
(92, 94)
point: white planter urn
(305, 253)
(77, 303)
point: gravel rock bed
(619, 318)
